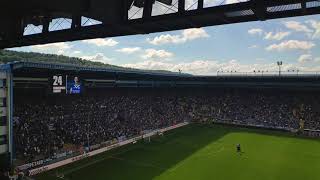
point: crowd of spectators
(43, 127)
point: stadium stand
(44, 128)
(118, 105)
(47, 127)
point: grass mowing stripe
(66, 172)
(139, 163)
(205, 152)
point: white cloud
(297, 26)
(253, 46)
(76, 52)
(210, 67)
(154, 54)
(101, 42)
(59, 46)
(165, 39)
(255, 31)
(305, 58)
(60, 52)
(316, 26)
(308, 58)
(129, 50)
(194, 33)
(53, 48)
(186, 35)
(195, 67)
(99, 57)
(291, 45)
(276, 36)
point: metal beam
(200, 4)
(259, 9)
(181, 6)
(76, 21)
(147, 8)
(46, 24)
(304, 6)
(253, 10)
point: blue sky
(237, 47)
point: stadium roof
(144, 78)
(39, 22)
(69, 67)
(41, 66)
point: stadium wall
(42, 169)
(311, 133)
(255, 126)
(306, 132)
(6, 133)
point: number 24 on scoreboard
(57, 81)
(58, 84)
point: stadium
(122, 124)
(160, 89)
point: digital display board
(64, 84)
(58, 84)
(74, 85)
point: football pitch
(203, 152)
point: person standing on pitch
(238, 148)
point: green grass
(203, 152)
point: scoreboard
(58, 84)
(64, 84)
